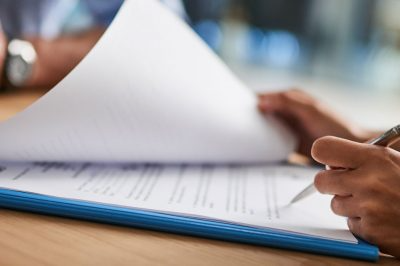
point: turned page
(149, 91)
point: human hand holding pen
(364, 178)
(387, 139)
(366, 188)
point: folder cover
(183, 225)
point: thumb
(338, 152)
(292, 102)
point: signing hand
(308, 118)
(367, 190)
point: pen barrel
(388, 138)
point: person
(48, 38)
(42, 27)
(364, 179)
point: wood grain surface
(32, 239)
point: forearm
(56, 58)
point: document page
(256, 196)
(149, 91)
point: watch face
(18, 71)
(20, 61)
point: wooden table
(31, 239)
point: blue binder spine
(183, 225)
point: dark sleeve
(102, 11)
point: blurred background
(346, 52)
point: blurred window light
(275, 48)
(210, 32)
(282, 48)
(254, 45)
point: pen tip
(294, 200)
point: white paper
(149, 91)
(256, 196)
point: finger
(335, 182)
(288, 119)
(296, 126)
(339, 152)
(354, 225)
(345, 206)
(294, 102)
(271, 102)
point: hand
(367, 190)
(69, 48)
(3, 52)
(308, 118)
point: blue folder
(183, 225)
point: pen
(386, 139)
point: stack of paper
(151, 122)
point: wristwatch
(18, 68)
